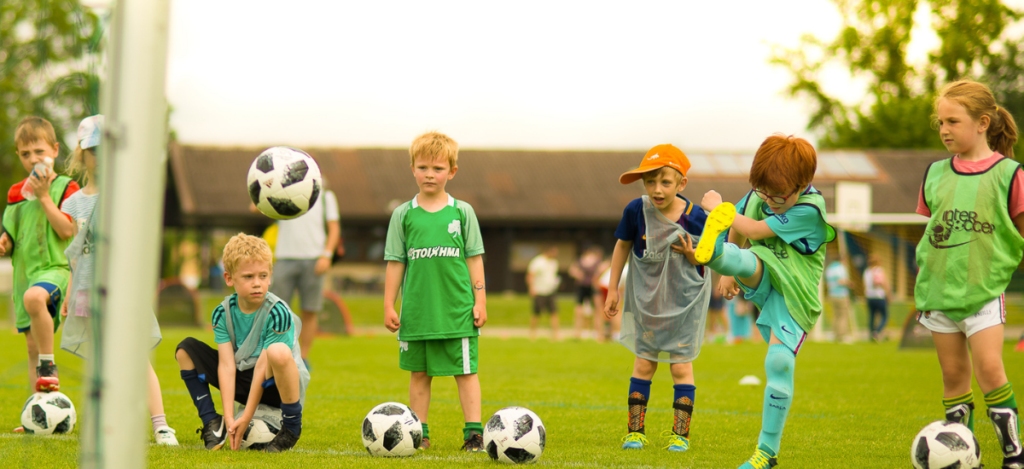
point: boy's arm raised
(619, 257)
(226, 374)
(747, 227)
(392, 280)
(476, 277)
(59, 220)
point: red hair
(783, 164)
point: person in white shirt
(303, 252)
(542, 280)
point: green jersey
(437, 298)
(795, 268)
(971, 246)
(38, 251)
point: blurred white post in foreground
(132, 176)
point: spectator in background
(542, 281)
(583, 271)
(601, 281)
(876, 290)
(739, 319)
(717, 325)
(838, 283)
(302, 253)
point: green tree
(46, 48)
(872, 45)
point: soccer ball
(392, 429)
(944, 444)
(514, 435)
(284, 182)
(263, 427)
(47, 413)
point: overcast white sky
(525, 74)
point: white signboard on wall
(853, 205)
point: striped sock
(960, 409)
(1002, 410)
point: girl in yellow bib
(972, 245)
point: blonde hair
(978, 100)
(242, 248)
(32, 129)
(76, 164)
(433, 145)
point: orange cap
(658, 157)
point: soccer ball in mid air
(284, 182)
(263, 427)
(944, 444)
(392, 429)
(514, 435)
(47, 413)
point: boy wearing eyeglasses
(783, 218)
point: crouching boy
(257, 359)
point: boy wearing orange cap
(665, 303)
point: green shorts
(439, 357)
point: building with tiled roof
(525, 199)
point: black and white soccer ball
(48, 413)
(284, 182)
(945, 445)
(392, 429)
(265, 424)
(514, 435)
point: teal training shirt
(277, 329)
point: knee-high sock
(1002, 410)
(291, 417)
(682, 407)
(960, 409)
(734, 262)
(639, 392)
(778, 395)
(200, 392)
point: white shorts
(992, 314)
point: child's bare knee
(279, 355)
(184, 360)
(35, 301)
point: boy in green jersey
(257, 361)
(434, 252)
(780, 273)
(35, 234)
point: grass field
(855, 405)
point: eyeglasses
(777, 199)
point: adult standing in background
(303, 252)
(542, 281)
(838, 283)
(583, 271)
(876, 290)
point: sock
(426, 431)
(734, 262)
(45, 357)
(639, 391)
(200, 392)
(159, 420)
(682, 406)
(1002, 410)
(960, 409)
(778, 395)
(291, 416)
(471, 428)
